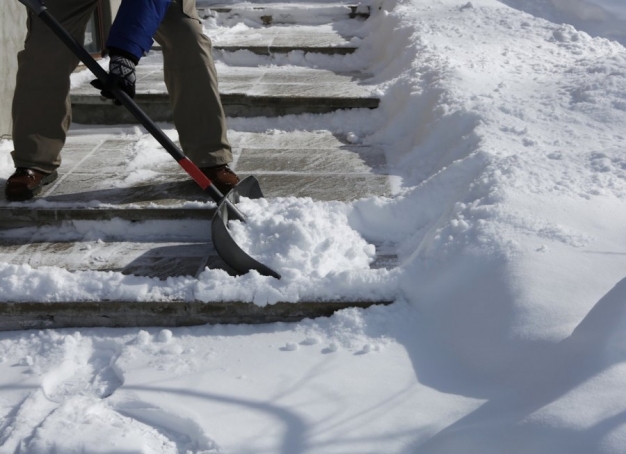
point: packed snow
(506, 134)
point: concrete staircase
(95, 185)
(251, 91)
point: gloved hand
(121, 74)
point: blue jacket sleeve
(135, 24)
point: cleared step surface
(100, 178)
(272, 40)
(324, 39)
(245, 92)
(152, 259)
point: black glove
(121, 74)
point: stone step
(144, 258)
(294, 33)
(118, 314)
(245, 92)
(325, 39)
(283, 48)
(285, 13)
(103, 176)
(321, 39)
(26, 215)
(183, 248)
(280, 39)
(139, 258)
(272, 49)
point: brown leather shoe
(25, 183)
(222, 177)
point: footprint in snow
(86, 369)
(365, 350)
(332, 348)
(289, 347)
(310, 341)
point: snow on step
(133, 255)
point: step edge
(119, 314)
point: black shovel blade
(224, 244)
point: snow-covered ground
(606, 18)
(507, 133)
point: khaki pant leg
(191, 81)
(41, 104)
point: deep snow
(507, 134)
(605, 18)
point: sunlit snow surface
(508, 133)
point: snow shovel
(225, 245)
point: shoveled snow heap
(509, 134)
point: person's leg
(191, 81)
(41, 105)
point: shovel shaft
(37, 7)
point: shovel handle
(37, 7)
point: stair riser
(271, 17)
(118, 314)
(27, 217)
(268, 51)
(91, 110)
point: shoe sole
(29, 194)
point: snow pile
(318, 254)
(304, 238)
